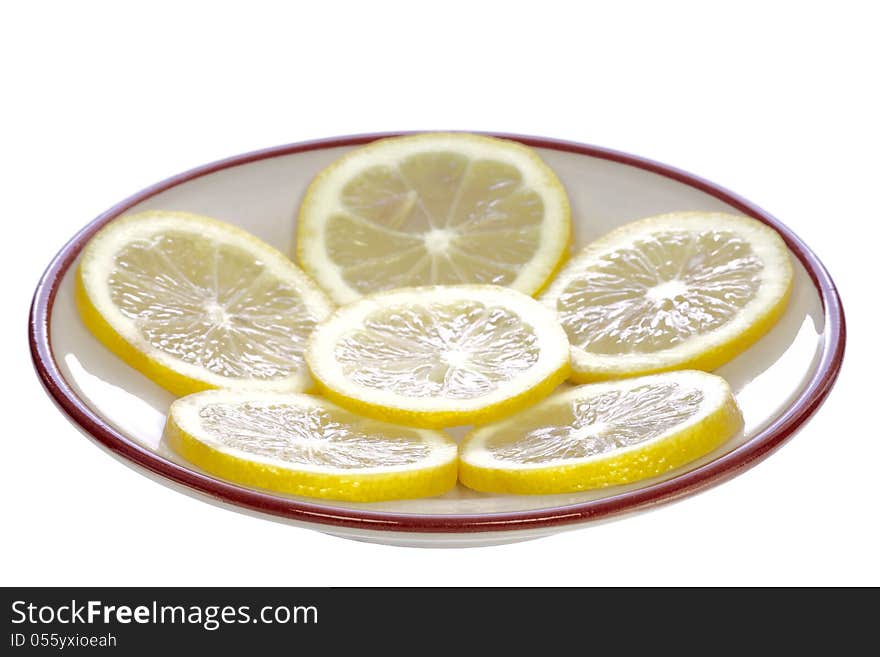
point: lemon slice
(303, 445)
(433, 208)
(194, 303)
(439, 356)
(681, 290)
(602, 434)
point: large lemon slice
(194, 303)
(303, 445)
(434, 208)
(688, 289)
(602, 434)
(439, 356)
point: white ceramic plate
(779, 382)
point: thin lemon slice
(303, 445)
(194, 303)
(602, 434)
(433, 208)
(439, 356)
(681, 290)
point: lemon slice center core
(667, 290)
(216, 314)
(437, 241)
(590, 431)
(456, 358)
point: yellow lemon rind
(175, 382)
(552, 368)
(589, 368)
(654, 459)
(310, 223)
(349, 487)
(163, 375)
(706, 361)
(446, 418)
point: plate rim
(759, 447)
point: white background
(777, 101)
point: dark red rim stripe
(720, 470)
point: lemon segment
(433, 208)
(194, 303)
(602, 434)
(302, 445)
(674, 291)
(440, 355)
